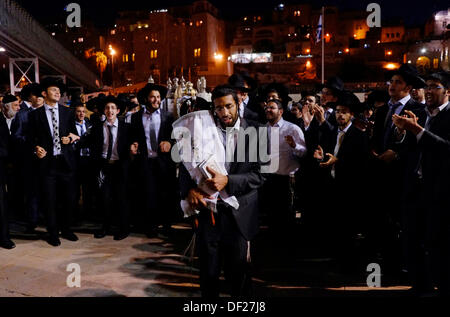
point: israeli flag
(319, 30)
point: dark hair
(224, 90)
(297, 105)
(277, 102)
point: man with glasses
(426, 208)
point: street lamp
(112, 52)
(2, 49)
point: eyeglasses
(433, 87)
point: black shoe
(54, 241)
(31, 230)
(151, 233)
(69, 235)
(7, 244)
(100, 233)
(121, 235)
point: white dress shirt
(151, 121)
(288, 156)
(114, 131)
(48, 113)
(8, 122)
(242, 106)
(338, 146)
(81, 128)
(429, 116)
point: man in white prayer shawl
(219, 185)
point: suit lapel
(234, 164)
(44, 120)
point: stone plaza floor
(141, 267)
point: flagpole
(323, 45)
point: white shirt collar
(280, 123)
(28, 104)
(157, 111)
(436, 111)
(346, 128)
(47, 107)
(403, 101)
(236, 126)
(80, 123)
(115, 124)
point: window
(297, 13)
(113, 32)
(197, 52)
(398, 34)
(153, 54)
(387, 35)
(132, 57)
(80, 40)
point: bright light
(409, 62)
(327, 35)
(112, 52)
(218, 56)
(391, 66)
(389, 53)
(308, 64)
(308, 50)
(378, 41)
(423, 50)
(2, 49)
(347, 50)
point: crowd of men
(372, 173)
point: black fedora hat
(53, 82)
(142, 95)
(409, 74)
(93, 103)
(238, 81)
(348, 99)
(443, 77)
(34, 89)
(334, 83)
(282, 90)
(9, 98)
(111, 99)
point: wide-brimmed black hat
(125, 99)
(31, 89)
(409, 74)
(334, 83)
(143, 93)
(378, 96)
(53, 82)
(9, 98)
(282, 90)
(349, 99)
(111, 99)
(443, 77)
(93, 103)
(237, 81)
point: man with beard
(426, 206)
(226, 235)
(151, 139)
(344, 158)
(291, 147)
(9, 109)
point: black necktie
(388, 126)
(110, 144)
(153, 141)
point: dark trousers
(114, 196)
(222, 244)
(414, 227)
(277, 203)
(85, 186)
(4, 220)
(159, 193)
(30, 187)
(57, 186)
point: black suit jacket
(244, 179)
(434, 146)
(40, 135)
(352, 155)
(137, 134)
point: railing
(22, 28)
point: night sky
(103, 11)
